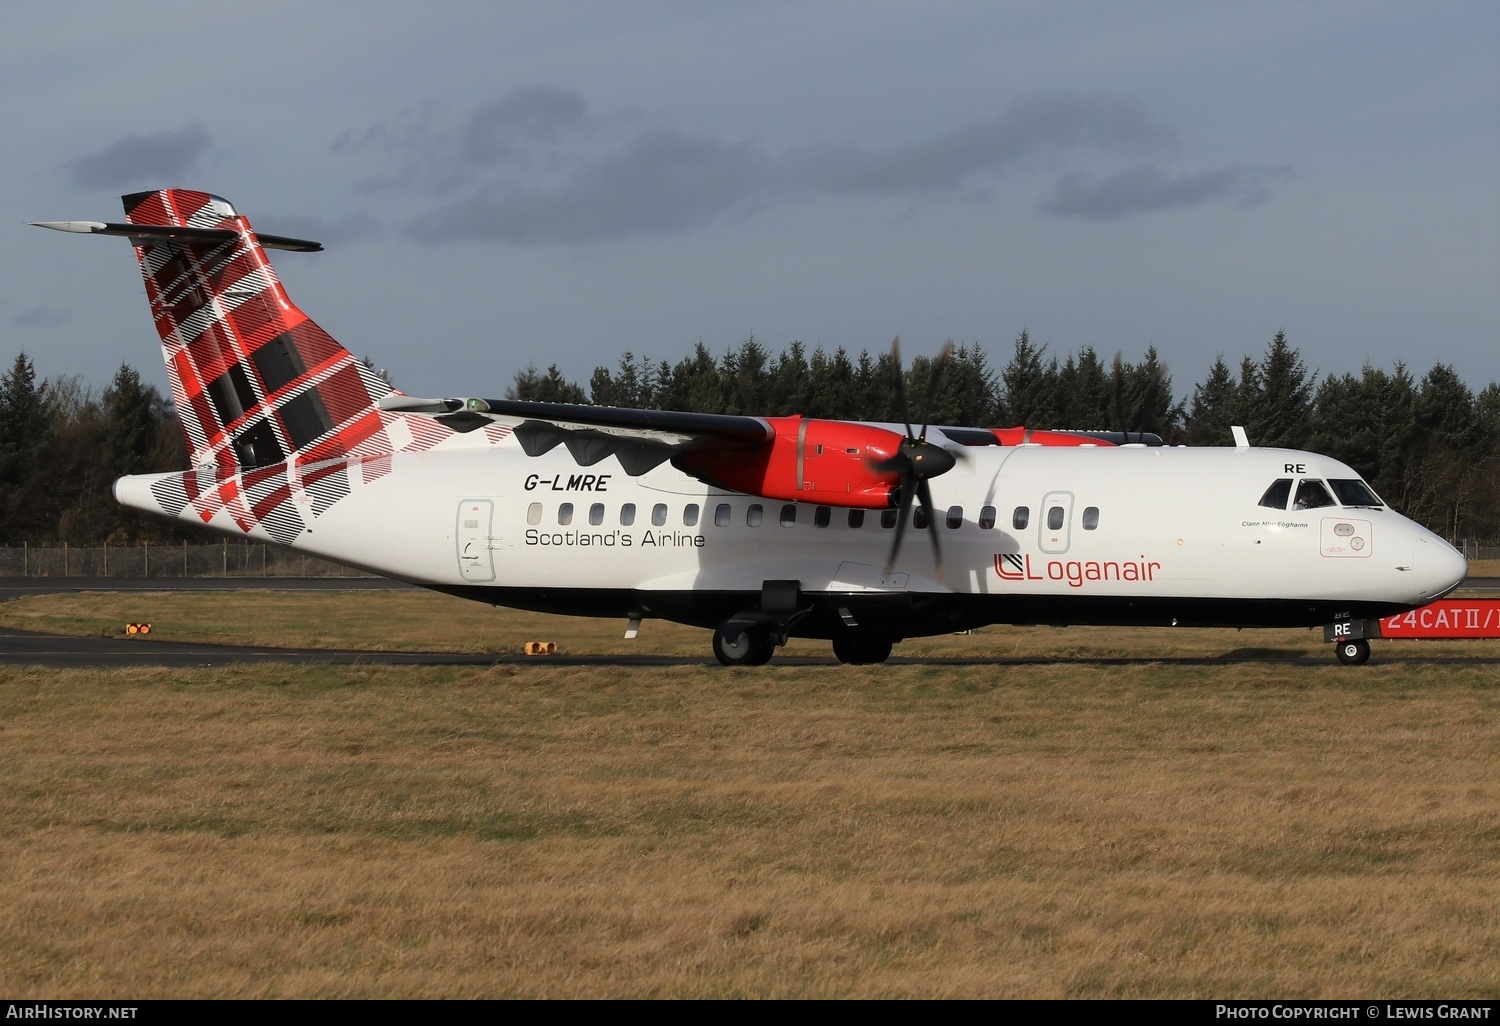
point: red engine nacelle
(1025, 436)
(824, 461)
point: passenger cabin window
(987, 518)
(856, 518)
(565, 514)
(822, 516)
(627, 514)
(690, 515)
(1277, 494)
(721, 515)
(888, 518)
(1091, 518)
(1020, 518)
(1354, 492)
(919, 518)
(534, 513)
(955, 517)
(1311, 495)
(1055, 518)
(658, 514)
(789, 514)
(596, 514)
(754, 515)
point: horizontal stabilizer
(395, 402)
(181, 233)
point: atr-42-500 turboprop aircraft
(757, 527)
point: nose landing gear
(1354, 652)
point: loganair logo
(1013, 566)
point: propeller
(917, 460)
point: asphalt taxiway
(31, 648)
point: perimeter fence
(225, 559)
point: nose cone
(1438, 566)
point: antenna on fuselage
(1241, 440)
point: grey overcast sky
(503, 183)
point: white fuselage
(1080, 535)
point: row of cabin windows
(822, 516)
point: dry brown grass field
(1249, 828)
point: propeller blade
(901, 518)
(1120, 397)
(900, 384)
(938, 366)
(925, 494)
(917, 459)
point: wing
(639, 439)
(791, 458)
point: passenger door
(1055, 523)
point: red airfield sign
(1447, 618)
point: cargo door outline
(1055, 541)
(476, 559)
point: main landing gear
(751, 637)
(737, 643)
(858, 647)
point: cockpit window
(1354, 493)
(1277, 494)
(1311, 494)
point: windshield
(1354, 492)
(1311, 495)
(1277, 494)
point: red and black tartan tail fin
(255, 380)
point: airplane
(757, 528)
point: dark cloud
(496, 131)
(41, 317)
(536, 167)
(159, 158)
(440, 152)
(662, 181)
(1030, 127)
(1143, 189)
(349, 228)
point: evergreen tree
(1085, 400)
(1446, 414)
(747, 380)
(967, 395)
(130, 422)
(551, 387)
(832, 390)
(1487, 413)
(633, 387)
(1030, 386)
(1278, 415)
(1347, 421)
(1144, 392)
(789, 386)
(1215, 407)
(25, 431)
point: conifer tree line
(1430, 446)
